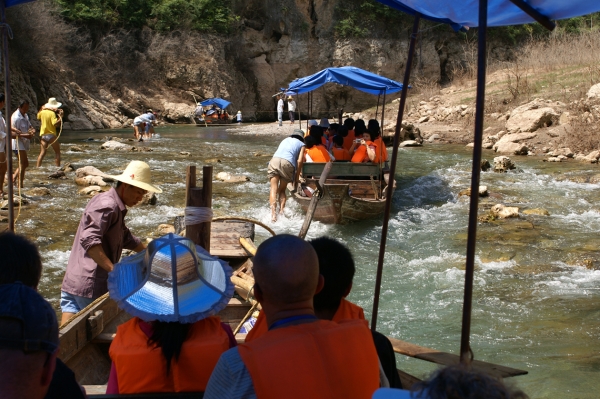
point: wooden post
(314, 200)
(199, 197)
(340, 113)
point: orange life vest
(318, 153)
(360, 153)
(349, 139)
(143, 369)
(340, 154)
(346, 311)
(381, 150)
(322, 359)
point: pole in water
(390, 187)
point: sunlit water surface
(535, 306)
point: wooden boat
(214, 119)
(85, 339)
(352, 191)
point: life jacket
(346, 311)
(143, 369)
(340, 154)
(349, 139)
(318, 153)
(321, 359)
(360, 154)
(381, 150)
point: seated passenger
(299, 356)
(338, 150)
(373, 128)
(315, 152)
(331, 133)
(350, 137)
(365, 150)
(318, 133)
(336, 265)
(172, 343)
(311, 123)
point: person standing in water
(51, 117)
(21, 127)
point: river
(535, 304)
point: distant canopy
(500, 12)
(10, 3)
(348, 76)
(219, 102)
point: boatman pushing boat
(101, 237)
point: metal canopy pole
(388, 198)
(535, 14)
(299, 114)
(377, 109)
(465, 349)
(8, 148)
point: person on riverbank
(50, 116)
(21, 127)
(3, 150)
(101, 237)
(21, 262)
(280, 110)
(285, 167)
(28, 343)
(333, 360)
(178, 348)
(291, 109)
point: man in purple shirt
(101, 237)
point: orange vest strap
(348, 311)
(143, 369)
(332, 360)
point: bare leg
(273, 197)
(43, 149)
(56, 147)
(3, 168)
(281, 195)
(23, 164)
(65, 317)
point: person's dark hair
(20, 260)
(334, 128)
(23, 102)
(338, 140)
(359, 127)
(310, 141)
(343, 131)
(1, 97)
(169, 337)
(349, 123)
(337, 268)
(458, 382)
(316, 132)
(373, 128)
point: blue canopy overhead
(347, 76)
(219, 102)
(500, 12)
(10, 3)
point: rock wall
(120, 74)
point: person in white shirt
(291, 109)
(280, 110)
(3, 166)
(22, 129)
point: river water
(535, 304)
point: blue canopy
(10, 3)
(500, 12)
(219, 102)
(347, 76)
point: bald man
(299, 356)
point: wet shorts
(48, 138)
(282, 168)
(70, 303)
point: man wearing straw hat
(101, 237)
(291, 109)
(51, 117)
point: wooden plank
(447, 359)
(407, 380)
(341, 169)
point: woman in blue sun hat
(174, 289)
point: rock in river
(229, 178)
(116, 146)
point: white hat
(312, 122)
(52, 103)
(199, 104)
(172, 280)
(137, 173)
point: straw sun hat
(172, 280)
(137, 173)
(52, 103)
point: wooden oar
(315, 200)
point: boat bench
(341, 169)
(91, 389)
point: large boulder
(113, 145)
(229, 178)
(89, 171)
(592, 157)
(530, 117)
(504, 144)
(90, 191)
(177, 112)
(503, 164)
(594, 91)
(90, 181)
(511, 148)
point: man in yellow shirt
(51, 117)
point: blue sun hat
(173, 280)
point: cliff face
(106, 80)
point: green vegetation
(361, 18)
(162, 15)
